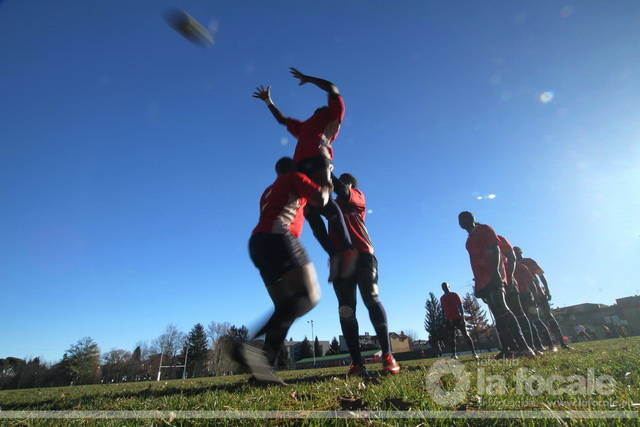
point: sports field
(389, 400)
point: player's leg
(511, 329)
(293, 297)
(341, 253)
(293, 287)
(513, 302)
(535, 334)
(367, 277)
(531, 309)
(462, 327)
(345, 289)
(550, 320)
(451, 337)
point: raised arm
(325, 85)
(511, 266)
(264, 94)
(546, 286)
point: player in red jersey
(454, 319)
(283, 263)
(511, 292)
(490, 279)
(314, 154)
(365, 277)
(526, 291)
(542, 297)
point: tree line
(206, 352)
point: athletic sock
(350, 331)
(378, 318)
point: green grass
(328, 389)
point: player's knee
(371, 300)
(346, 311)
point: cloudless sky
(131, 162)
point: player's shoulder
(357, 196)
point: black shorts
(455, 324)
(309, 165)
(275, 254)
(488, 289)
(367, 267)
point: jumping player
(365, 277)
(314, 155)
(542, 296)
(287, 273)
(454, 319)
(490, 279)
(511, 292)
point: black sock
(378, 318)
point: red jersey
(450, 303)
(523, 277)
(354, 210)
(533, 266)
(505, 248)
(480, 240)
(316, 134)
(283, 202)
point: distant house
(291, 348)
(399, 342)
(621, 317)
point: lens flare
(546, 97)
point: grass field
(493, 386)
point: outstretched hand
(263, 93)
(298, 75)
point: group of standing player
(511, 287)
(302, 190)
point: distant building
(621, 317)
(291, 348)
(399, 342)
(343, 359)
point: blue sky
(131, 162)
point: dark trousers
(506, 323)
(539, 329)
(547, 317)
(458, 325)
(513, 302)
(365, 278)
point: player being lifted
(490, 279)
(365, 277)
(287, 273)
(314, 155)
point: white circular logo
(434, 382)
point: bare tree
(171, 342)
(220, 346)
(413, 335)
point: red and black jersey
(283, 202)
(479, 242)
(316, 134)
(354, 210)
(524, 278)
(450, 303)
(505, 248)
(533, 266)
